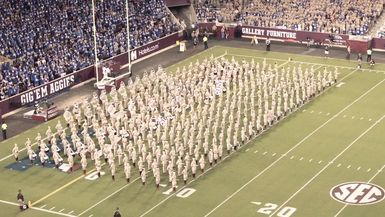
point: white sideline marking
(274, 154)
(310, 160)
(256, 203)
(368, 170)
(304, 110)
(358, 168)
(311, 112)
(374, 176)
(52, 208)
(319, 113)
(70, 212)
(349, 166)
(361, 118)
(256, 151)
(327, 165)
(91, 215)
(326, 65)
(328, 114)
(353, 117)
(370, 119)
(247, 150)
(39, 209)
(162, 185)
(340, 84)
(344, 116)
(264, 153)
(338, 165)
(43, 206)
(319, 162)
(301, 158)
(291, 158)
(61, 210)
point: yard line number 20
(268, 208)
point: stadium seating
(48, 38)
(334, 16)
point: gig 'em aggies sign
(47, 89)
(358, 193)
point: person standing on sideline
(254, 40)
(359, 60)
(117, 213)
(348, 53)
(20, 200)
(205, 39)
(326, 51)
(268, 44)
(4, 127)
(369, 55)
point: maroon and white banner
(295, 36)
(52, 112)
(45, 90)
(271, 33)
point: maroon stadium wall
(378, 43)
(64, 83)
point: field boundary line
(36, 208)
(302, 55)
(328, 164)
(294, 147)
(371, 179)
(294, 61)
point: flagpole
(95, 45)
(128, 39)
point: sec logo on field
(358, 193)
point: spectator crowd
(334, 16)
(45, 39)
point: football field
(292, 169)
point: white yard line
(39, 209)
(327, 165)
(371, 179)
(112, 194)
(294, 147)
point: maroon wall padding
(359, 46)
(378, 43)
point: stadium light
(95, 45)
(128, 39)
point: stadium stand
(46, 39)
(335, 16)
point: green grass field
(287, 171)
